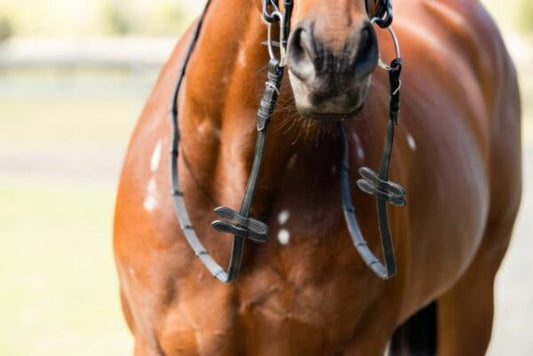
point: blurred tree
(49, 18)
(6, 28)
(170, 18)
(123, 17)
(525, 15)
(117, 19)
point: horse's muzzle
(331, 82)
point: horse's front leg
(465, 312)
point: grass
(39, 122)
(68, 109)
(59, 287)
(59, 294)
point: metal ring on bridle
(270, 17)
(270, 44)
(384, 14)
(278, 17)
(381, 63)
(282, 43)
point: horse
(305, 290)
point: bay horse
(306, 291)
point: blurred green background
(64, 125)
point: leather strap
(237, 223)
(378, 185)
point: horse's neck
(224, 85)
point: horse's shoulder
(470, 28)
(459, 44)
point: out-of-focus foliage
(524, 15)
(6, 28)
(158, 18)
(116, 17)
(41, 18)
(84, 18)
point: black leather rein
(240, 224)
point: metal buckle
(396, 42)
(275, 16)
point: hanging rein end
(231, 221)
(371, 182)
(379, 185)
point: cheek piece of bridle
(239, 223)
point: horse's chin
(330, 116)
(320, 100)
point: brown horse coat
(306, 291)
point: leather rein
(239, 223)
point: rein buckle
(385, 190)
(234, 223)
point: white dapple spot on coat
(156, 156)
(411, 141)
(283, 217)
(292, 160)
(360, 151)
(150, 201)
(284, 236)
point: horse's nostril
(309, 57)
(329, 67)
(367, 52)
(296, 48)
(366, 40)
(302, 52)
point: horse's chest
(306, 279)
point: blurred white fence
(92, 52)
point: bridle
(239, 223)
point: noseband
(239, 223)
